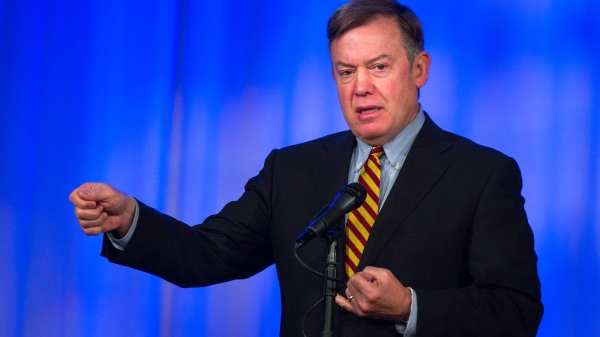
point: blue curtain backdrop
(179, 102)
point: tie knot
(376, 151)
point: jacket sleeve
(233, 244)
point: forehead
(381, 36)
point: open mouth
(367, 110)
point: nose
(364, 84)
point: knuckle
(371, 297)
(85, 224)
(361, 311)
(96, 230)
(79, 212)
(87, 216)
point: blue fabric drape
(143, 95)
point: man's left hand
(377, 293)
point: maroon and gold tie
(362, 219)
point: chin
(370, 134)
(371, 139)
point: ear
(420, 68)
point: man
(450, 252)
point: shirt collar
(396, 149)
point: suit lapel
(331, 167)
(424, 166)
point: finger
(353, 303)
(371, 273)
(89, 214)
(351, 287)
(347, 292)
(360, 283)
(93, 231)
(380, 276)
(344, 304)
(79, 202)
(98, 222)
(369, 277)
(355, 294)
(375, 271)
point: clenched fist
(377, 293)
(102, 208)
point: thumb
(95, 192)
(370, 273)
(92, 194)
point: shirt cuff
(409, 329)
(121, 243)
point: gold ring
(350, 298)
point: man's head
(378, 61)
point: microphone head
(358, 191)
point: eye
(380, 66)
(345, 73)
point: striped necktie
(362, 219)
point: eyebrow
(375, 59)
(343, 64)
(370, 61)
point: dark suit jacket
(453, 228)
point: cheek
(344, 93)
(345, 99)
(396, 91)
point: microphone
(349, 198)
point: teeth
(368, 111)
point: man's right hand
(101, 208)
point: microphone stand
(349, 198)
(329, 287)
